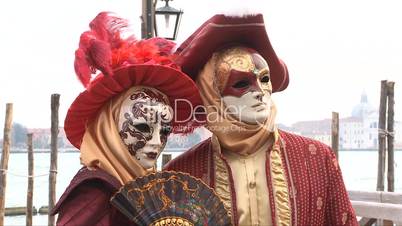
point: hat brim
(223, 31)
(173, 83)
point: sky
(334, 50)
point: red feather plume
(103, 48)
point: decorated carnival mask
(144, 124)
(243, 80)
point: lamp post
(147, 19)
(167, 21)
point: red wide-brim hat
(222, 31)
(173, 83)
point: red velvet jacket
(85, 202)
(319, 196)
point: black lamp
(167, 21)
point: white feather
(240, 8)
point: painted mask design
(243, 80)
(144, 124)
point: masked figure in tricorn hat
(121, 121)
(265, 176)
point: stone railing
(371, 206)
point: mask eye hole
(241, 84)
(166, 130)
(264, 79)
(143, 127)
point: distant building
(41, 138)
(178, 141)
(359, 131)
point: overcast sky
(334, 50)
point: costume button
(344, 218)
(252, 184)
(320, 203)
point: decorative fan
(170, 198)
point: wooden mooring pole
(390, 142)
(390, 138)
(30, 181)
(335, 133)
(4, 158)
(386, 140)
(53, 155)
(165, 159)
(382, 136)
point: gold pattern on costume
(222, 186)
(320, 203)
(172, 221)
(237, 58)
(344, 218)
(312, 148)
(280, 186)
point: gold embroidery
(222, 186)
(279, 185)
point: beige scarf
(103, 148)
(232, 134)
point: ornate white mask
(144, 124)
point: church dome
(364, 108)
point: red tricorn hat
(125, 63)
(222, 31)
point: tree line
(19, 138)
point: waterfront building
(358, 131)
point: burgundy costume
(319, 196)
(303, 178)
(86, 201)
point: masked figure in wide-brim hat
(265, 176)
(121, 121)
